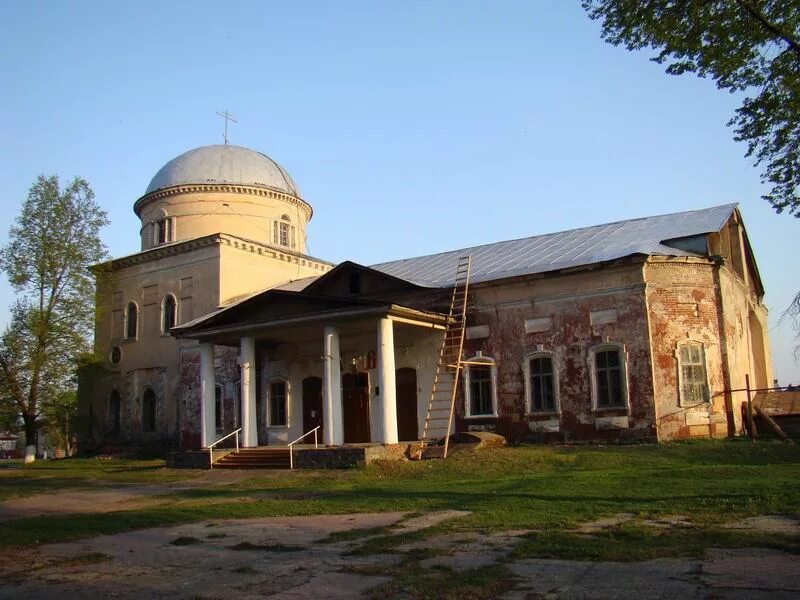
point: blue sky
(410, 127)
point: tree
(55, 239)
(746, 46)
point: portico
(300, 355)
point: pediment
(352, 280)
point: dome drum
(221, 189)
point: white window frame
(490, 362)
(593, 375)
(164, 330)
(287, 386)
(526, 370)
(125, 327)
(681, 401)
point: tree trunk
(31, 432)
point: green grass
(79, 560)
(411, 580)
(549, 489)
(186, 541)
(632, 543)
(271, 547)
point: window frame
(164, 329)
(492, 365)
(623, 365)
(286, 400)
(126, 322)
(526, 369)
(707, 391)
(168, 224)
(283, 228)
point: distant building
(8, 445)
(625, 330)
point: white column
(247, 360)
(208, 427)
(333, 426)
(386, 399)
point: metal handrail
(222, 439)
(291, 444)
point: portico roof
(277, 309)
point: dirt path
(104, 498)
(293, 558)
(253, 558)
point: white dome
(223, 164)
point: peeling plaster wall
(565, 302)
(131, 386)
(682, 298)
(190, 278)
(746, 339)
(227, 376)
(699, 300)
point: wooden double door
(355, 406)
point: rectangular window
(164, 231)
(283, 240)
(542, 386)
(277, 404)
(694, 389)
(480, 390)
(609, 378)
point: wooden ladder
(439, 419)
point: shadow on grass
(636, 544)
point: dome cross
(228, 117)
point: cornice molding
(216, 239)
(229, 188)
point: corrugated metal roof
(563, 250)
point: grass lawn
(546, 489)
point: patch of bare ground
(251, 558)
(99, 498)
(312, 556)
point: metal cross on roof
(228, 117)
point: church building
(630, 330)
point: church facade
(628, 330)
